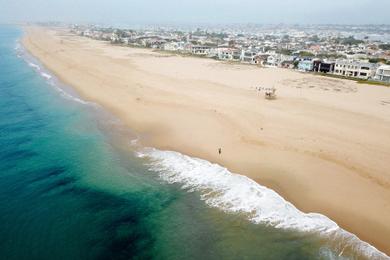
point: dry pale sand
(323, 144)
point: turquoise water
(73, 187)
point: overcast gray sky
(198, 11)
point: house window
(363, 74)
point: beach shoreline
(279, 144)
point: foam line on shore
(236, 193)
(51, 79)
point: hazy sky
(198, 11)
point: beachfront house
(262, 59)
(355, 69)
(287, 64)
(305, 65)
(249, 56)
(383, 73)
(114, 38)
(200, 50)
(272, 61)
(231, 54)
(171, 46)
(323, 66)
(279, 60)
(213, 53)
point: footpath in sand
(323, 144)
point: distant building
(249, 56)
(229, 54)
(305, 65)
(323, 66)
(262, 59)
(114, 38)
(355, 69)
(383, 73)
(272, 60)
(213, 53)
(279, 60)
(171, 46)
(200, 50)
(287, 64)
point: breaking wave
(236, 193)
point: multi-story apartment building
(355, 69)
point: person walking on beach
(219, 150)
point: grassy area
(360, 81)
(181, 54)
(371, 82)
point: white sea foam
(236, 193)
(134, 142)
(45, 75)
(18, 46)
(35, 66)
(50, 79)
(66, 95)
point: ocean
(75, 184)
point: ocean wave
(236, 193)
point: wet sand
(323, 144)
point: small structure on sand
(270, 93)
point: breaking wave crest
(236, 193)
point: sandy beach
(323, 144)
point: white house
(383, 73)
(249, 56)
(174, 46)
(229, 54)
(200, 50)
(272, 61)
(171, 46)
(276, 59)
(355, 69)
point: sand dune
(323, 144)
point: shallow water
(73, 186)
